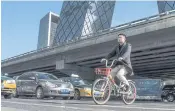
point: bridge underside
(156, 62)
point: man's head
(121, 38)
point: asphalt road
(32, 104)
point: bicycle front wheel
(101, 91)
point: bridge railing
(101, 32)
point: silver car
(42, 85)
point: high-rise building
(164, 6)
(79, 18)
(47, 29)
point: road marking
(70, 101)
(123, 106)
(133, 107)
(11, 109)
(155, 104)
(129, 107)
(89, 109)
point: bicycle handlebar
(126, 65)
(111, 63)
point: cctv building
(164, 6)
(80, 18)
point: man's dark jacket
(125, 52)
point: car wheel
(170, 97)
(54, 97)
(164, 99)
(39, 93)
(77, 95)
(8, 96)
(71, 98)
(65, 98)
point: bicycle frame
(108, 81)
(108, 78)
(111, 79)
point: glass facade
(166, 6)
(43, 32)
(80, 18)
(53, 26)
(47, 30)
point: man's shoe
(127, 88)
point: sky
(20, 21)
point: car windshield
(169, 87)
(6, 78)
(79, 81)
(46, 76)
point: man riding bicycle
(121, 52)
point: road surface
(32, 104)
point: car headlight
(10, 81)
(50, 84)
(71, 86)
(87, 89)
(68, 85)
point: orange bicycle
(102, 87)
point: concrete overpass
(153, 51)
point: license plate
(64, 91)
(98, 94)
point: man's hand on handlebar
(115, 60)
(120, 58)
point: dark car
(42, 85)
(168, 93)
(82, 87)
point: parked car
(168, 93)
(8, 87)
(82, 87)
(42, 85)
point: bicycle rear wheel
(130, 98)
(101, 91)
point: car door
(29, 84)
(20, 84)
(32, 83)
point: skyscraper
(164, 6)
(79, 18)
(47, 29)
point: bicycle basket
(102, 71)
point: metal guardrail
(136, 22)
